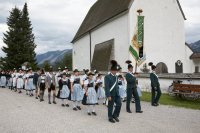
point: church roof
(102, 11)
(195, 56)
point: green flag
(137, 41)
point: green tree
(66, 61)
(46, 65)
(29, 38)
(19, 40)
(13, 40)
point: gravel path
(21, 114)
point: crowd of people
(90, 89)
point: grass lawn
(174, 101)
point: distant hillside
(196, 46)
(52, 56)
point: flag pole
(139, 11)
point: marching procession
(90, 89)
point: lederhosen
(42, 83)
(52, 86)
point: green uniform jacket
(109, 81)
(131, 81)
(154, 80)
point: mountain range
(52, 56)
(195, 46)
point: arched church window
(179, 67)
(161, 68)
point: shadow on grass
(173, 101)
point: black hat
(42, 71)
(120, 76)
(86, 71)
(76, 70)
(129, 64)
(114, 65)
(66, 74)
(119, 68)
(99, 74)
(95, 71)
(152, 66)
(90, 73)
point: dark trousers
(131, 91)
(155, 95)
(117, 101)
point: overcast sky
(55, 22)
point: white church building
(107, 31)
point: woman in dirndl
(77, 92)
(99, 85)
(122, 87)
(89, 86)
(30, 82)
(64, 89)
(20, 81)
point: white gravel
(21, 114)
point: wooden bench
(186, 90)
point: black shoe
(62, 105)
(124, 100)
(139, 111)
(54, 102)
(94, 113)
(133, 101)
(67, 105)
(41, 100)
(111, 120)
(154, 104)
(75, 109)
(20, 92)
(78, 107)
(49, 102)
(36, 97)
(129, 111)
(116, 119)
(89, 113)
(97, 103)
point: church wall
(81, 53)
(116, 29)
(164, 35)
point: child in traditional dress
(14, 80)
(3, 79)
(10, 79)
(20, 81)
(89, 86)
(77, 92)
(51, 86)
(30, 82)
(42, 83)
(99, 84)
(58, 76)
(64, 89)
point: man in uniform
(132, 89)
(155, 85)
(112, 93)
